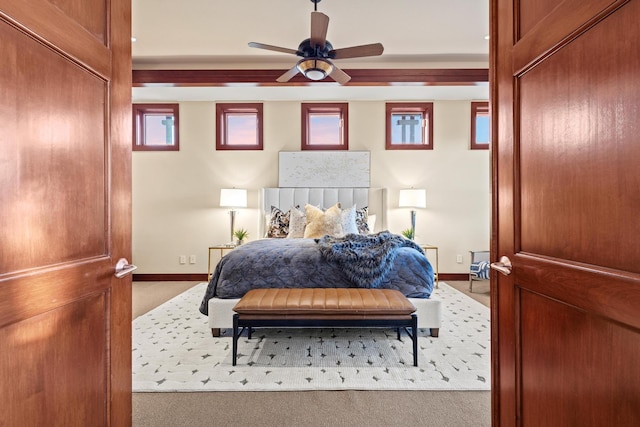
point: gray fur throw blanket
(366, 259)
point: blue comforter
(299, 263)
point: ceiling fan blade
(338, 75)
(288, 75)
(319, 26)
(374, 49)
(274, 48)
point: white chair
(479, 268)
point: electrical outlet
(182, 259)
(192, 259)
(459, 259)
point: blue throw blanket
(366, 259)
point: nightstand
(425, 248)
(221, 248)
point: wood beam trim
(359, 77)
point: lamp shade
(233, 197)
(413, 198)
(315, 68)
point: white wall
(176, 194)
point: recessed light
(133, 39)
(486, 37)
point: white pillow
(371, 222)
(348, 221)
(297, 223)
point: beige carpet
(311, 408)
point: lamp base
(413, 225)
(232, 216)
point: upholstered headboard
(283, 198)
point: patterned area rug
(173, 350)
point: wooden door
(65, 115)
(566, 124)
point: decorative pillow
(297, 223)
(371, 223)
(362, 216)
(348, 221)
(321, 223)
(278, 223)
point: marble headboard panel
(285, 197)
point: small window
(409, 126)
(480, 126)
(155, 127)
(325, 126)
(239, 127)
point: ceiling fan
(317, 53)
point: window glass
(406, 128)
(155, 127)
(239, 126)
(480, 126)
(325, 126)
(159, 129)
(409, 125)
(242, 129)
(324, 129)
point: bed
(303, 262)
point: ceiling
(213, 34)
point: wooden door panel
(531, 12)
(575, 367)
(49, 24)
(606, 294)
(40, 290)
(566, 322)
(53, 368)
(541, 34)
(65, 211)
(57, 135)
(88, 13)
(573, 102)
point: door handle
(503, 266)
(123, 268)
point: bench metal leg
(235, 339)
(414, 336)
(411, 327)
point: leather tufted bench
(325, 307)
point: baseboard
(202, 277)
(456, 277)
(178, 277)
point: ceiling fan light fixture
(315, 68)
